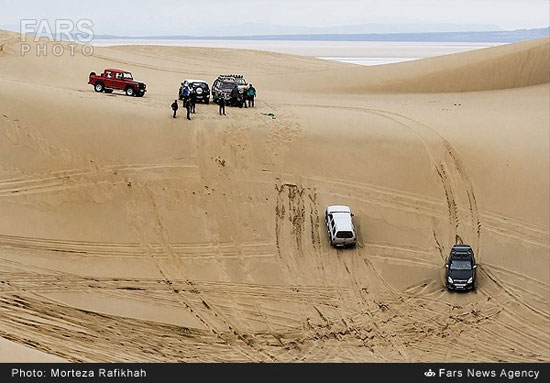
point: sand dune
(126, 235)
(509, 66)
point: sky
(200, 17)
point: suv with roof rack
(224, 85)
(341, 232)
(461, 268)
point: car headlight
(470, 280)
(449, 279)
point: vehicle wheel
(207, 101)
(108, 91)
(130, 91)
(98, 87)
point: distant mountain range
(201, 27)
(260, 29)
(477, 36)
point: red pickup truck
(116, 79)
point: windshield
(227, 85)
(240, 81)
(344, 234)
(461, 265)
(199, 84)
(128, 76)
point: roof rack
(230, 76)
(462, 247)
(462, 250)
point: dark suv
(200, 87)
(461, 268)
(223, 87)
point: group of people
(248, 96)
(190, 100)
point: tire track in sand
(140, 218)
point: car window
(344, 234)
(109, 74)
(118, 76)
(460, 265)
(128, 76)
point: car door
(215, 89)
(118, 81)
(109, 79)
(332, 228)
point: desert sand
(127, 235)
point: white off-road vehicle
(341, 232)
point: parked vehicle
(201, 88)
(341, 232)
(224, 85)
(116, 79)
(461, 268)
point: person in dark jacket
(221, 102)
(245, 97)
(186, 92)
(251, 92)
(175, 107)
(180, 93)
(187, 104)
(235, 96)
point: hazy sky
(141, 17)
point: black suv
(200, 87)
(461, 268)
(223, 88)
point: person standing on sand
(186, 92)
(234, 96)
(245, 97)
(187, 104)
(175, 107)
(221, 103)
(193, 99)
(251, 92)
